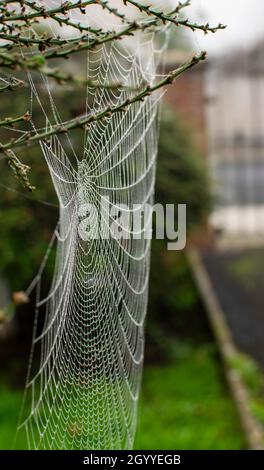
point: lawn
(188, 406)
(184, 405)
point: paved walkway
(238, 280)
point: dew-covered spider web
(86, 361)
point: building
(222, 102)
(187, 96)
(235, 124)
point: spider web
(86, 361)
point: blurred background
(211, 157)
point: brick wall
(187, 97)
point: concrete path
(238, 281)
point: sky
(244, 18)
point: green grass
(10, 403)
(252, 376)
(188, 406)
(247, 268)
(183, 406)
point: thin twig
(173, 17)
(11, 84)
(10, 121)
(20, 170)
(81, 122)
